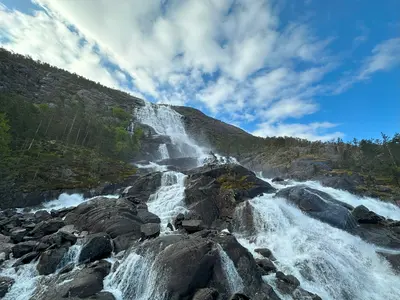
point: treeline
(25, 123)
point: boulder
(192, 226)
(67, 268)
(393, 259)
(17, 234)
(278, 179)
(26, 259)
(206, 294)
(320, 205)
(150, 230)
(47, 227)
(181, 163)
(5, 285)
(102, 296)
(97, 246)
(23, 248)
(301, 294)
(87, 282)
(364, 216)
(265, 252)
(143, 187)
(286, 283)
(119, 218)
(49, 260)
(178, 221)
(266, 266)
(42, 215)
(213, 193)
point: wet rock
(178, 221)
(301, 294)
(278, 179)
(265, 252)
(144, 186)
(192, 226)
(286, 283)
(49, 260)
(213, 193)
(97, 246)
(364, 216)
(17, 234)
(150, 230)
(42, 215)
(67, 268)
(5, 285)
(87, 282)
(320, 205)
(147, 217)
(47, 227)
(170, 227)
(4, 239)
(117, 217)
(206, 294)
(23, 248)
(266, 265)
(26, 259)
(181, 163)
(238, 296)
(393, 259)
(102, 296)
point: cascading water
(162, 149)
(166, 121)
(167, 202)
(328, 261)
(233, 279)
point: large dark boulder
(150, 230)
(49, 260)
(143, 187)
(47, 227)
(206, 294)
(213, 192)
(266, 265)
(320, 205)
(96, 246)
(119, 218)
(23, 248)
(26, 259)
(364, 216)
(5, 285)
(42, 215)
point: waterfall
(135, 278)
(166, 121)
(168, 202)
(233, 279)
(328, 261)
(25, 278)
(162, 149)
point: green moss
(233, 182)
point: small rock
(239, 296)
(192, 225)
(278, 179)
(286, 283)
(150, 230)
(265, 252)
(26, 259)
(266, 265)
(17, 234)
(97, 246)
(49, 260)
(364, 216)
(102, 296)
(170, 227)
(23, 248)
(178, 221)
(42, 215)
(5, 285)
(47, 227)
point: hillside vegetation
(61, 131)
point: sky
(312, 69)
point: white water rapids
(328, 261)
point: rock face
(5, 285)
(49, 260)
(320, 205)
(97, 246)
(364, 216)
(213, 192)
(182, 163)
(143, 187)
(120, 218)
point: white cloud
(234, 57)
(313, 131)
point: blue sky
(312, 69)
